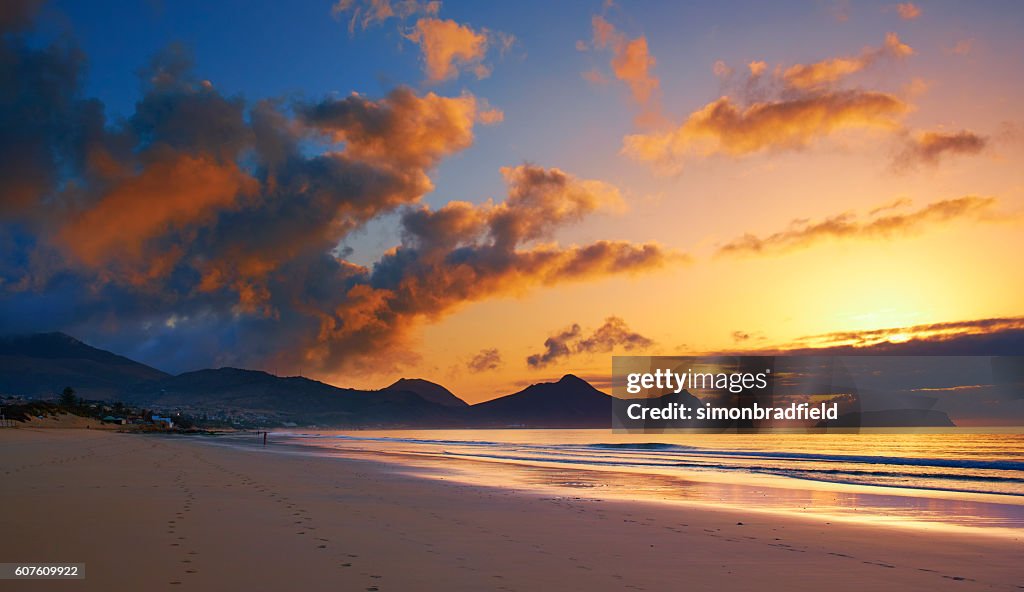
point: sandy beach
(158, 512)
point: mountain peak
(572, 379)
(570, 402)
(431, 391)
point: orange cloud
(200, 213)
(463, 253)
(633, 65)
(930, 147)
(803, 233)
(921, 334)
(721, 69)
(962, 47)
(404, 128)
(487, 359)
(539, 200)
(614, 333)
(447, 46)
(366, 13)
(631, 61)
(594, 77)
(385, 316)
(723, 127)
(757, 68)
(174, 191)
(808, 76)
(908, 11)
(491, 116)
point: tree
(67, 398)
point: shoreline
(172, 513)
(886, 505)
(776, 482)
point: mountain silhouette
(571, 402)
(42, 364)
(295, 399)
(431, 391)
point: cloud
(595, 76)
(487, 359)
(612, 334)
(992, 336)
(787, 110)
(204, 229)
(908, 11)
(879, 224)
(462, 253)
(18, 14)
(555, 347)
(631, 63)
(403, 128)
(840, 10)
(448, 47)
(721, 69)
(726, 128)
(826, 72)
(930, 147)
(173, 192)
(366, 13)
(961, 48)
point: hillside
(431, 391)
(42, 364)
(297, 399)
(569, 403)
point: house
(165, 420)
(114, 420)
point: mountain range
(41, 365)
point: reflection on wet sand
(751, 479)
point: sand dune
(163, 512)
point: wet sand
(173, 513)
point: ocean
(931, 480)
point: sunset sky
(490, 195)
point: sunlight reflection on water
(974, 480)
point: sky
(490, 195)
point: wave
(996, 476)
(949, 463)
